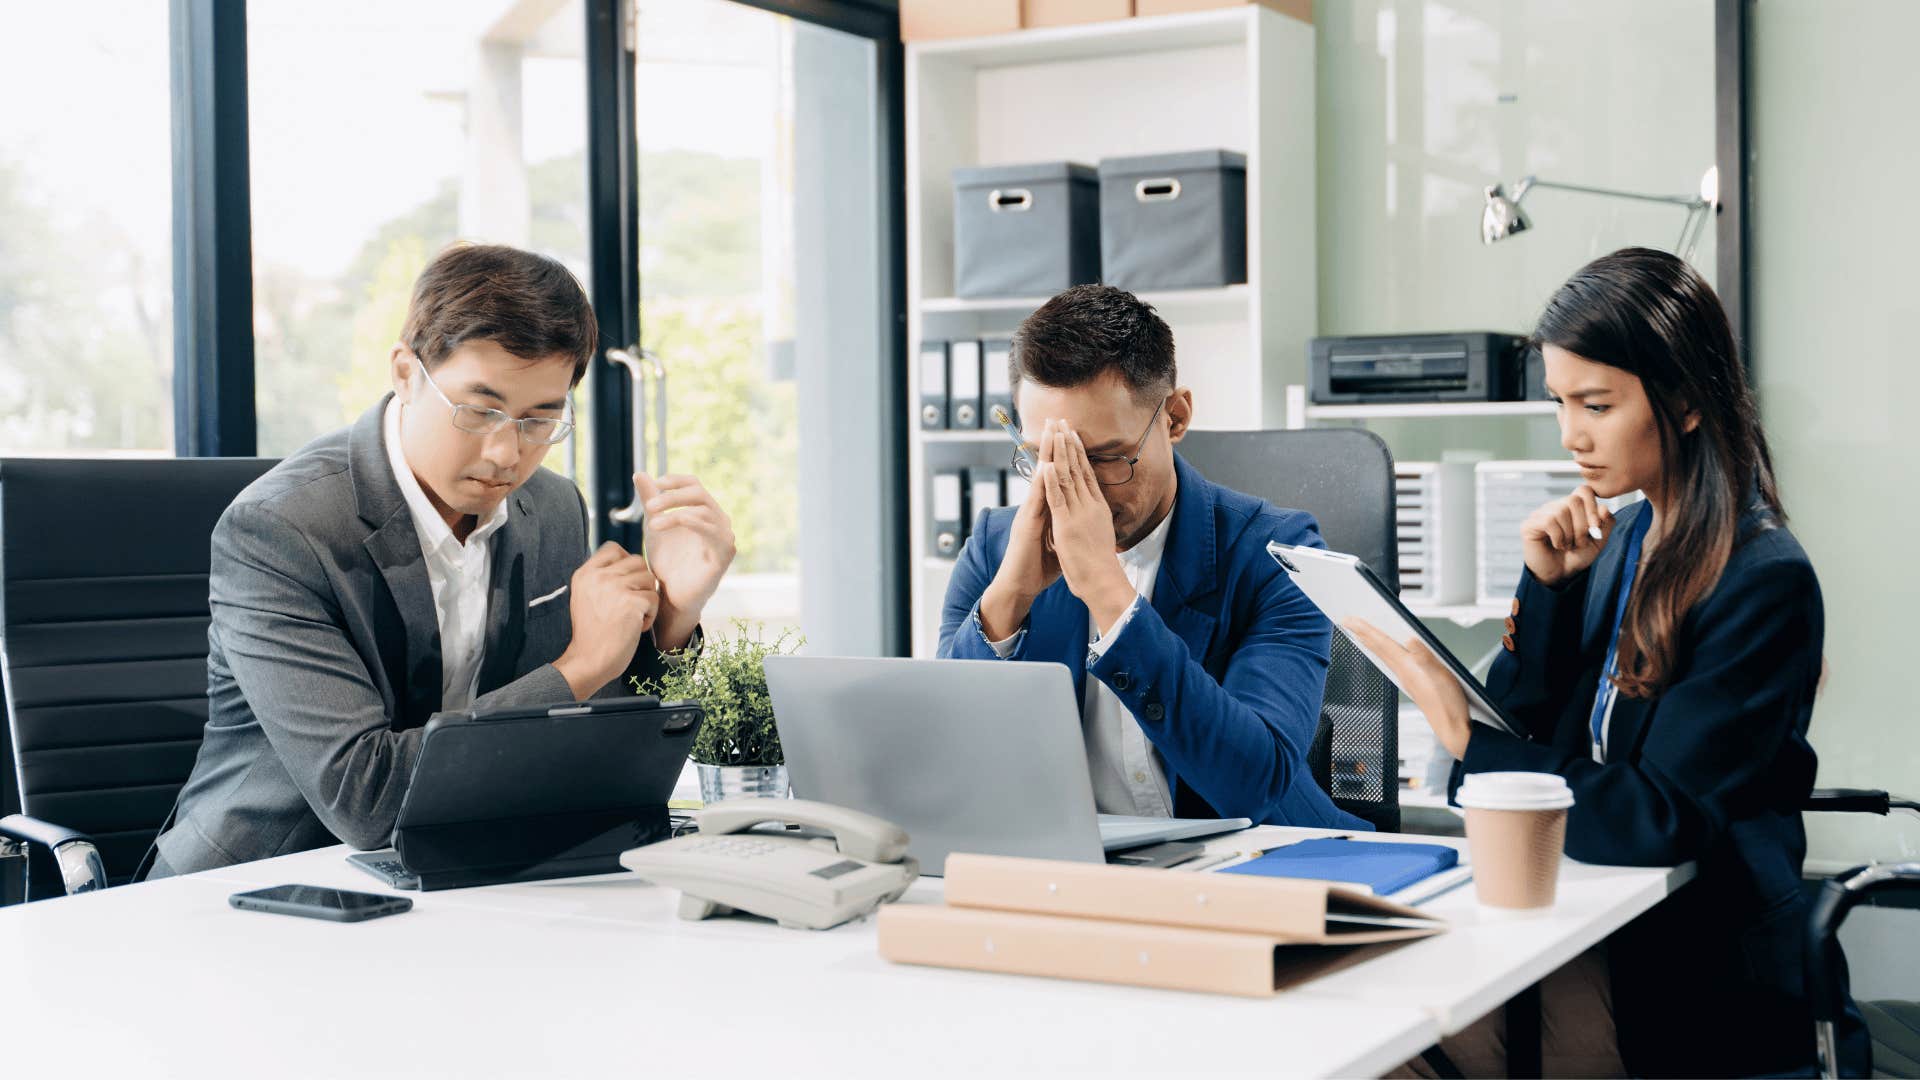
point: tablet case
(531, 794)
(1248, 936)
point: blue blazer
(1714, 769)
(1224, 671)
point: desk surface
(570, 976)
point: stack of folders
(959, 495)
(1252, 936)
(961, 381)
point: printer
(1478, 365)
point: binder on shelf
(986, 489)
(996, 381)
(1143, 927)
(963, 383)
(1017, 487)
(933, 385)
(949, 513)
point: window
(380, 133)
(86, 296)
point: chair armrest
(32, 830)
(1847, 801)
(80, 867)
(1837, 897)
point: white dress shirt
(460, 574)
(1128, 774)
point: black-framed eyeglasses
(1111, 470)
(480, 420)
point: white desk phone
(812, 883)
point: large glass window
(760, 281)
(379, 133)
(86, 296)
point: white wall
(1423, 103)
(1836, 307)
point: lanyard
(1603, 697)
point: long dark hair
(1650, 314)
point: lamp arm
(1529, 183)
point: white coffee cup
(1516, 831)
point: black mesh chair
(103, 657)
(1893, 1027)
(1344, 478)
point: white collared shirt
(1128, 774)
(460, 574)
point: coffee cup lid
(1514, 791)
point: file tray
(537, 793)
(1246, 936)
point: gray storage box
(1025, 230)
(1174, 221)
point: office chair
(1893, 1027)
(103, 657)
(1344, 478)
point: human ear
(1179, 414)
(401, 361)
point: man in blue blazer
(1125, 564)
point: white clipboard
(1344, 587)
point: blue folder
(1381, 866)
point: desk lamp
(1503, 217)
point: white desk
(567, 977)
(1488, 955)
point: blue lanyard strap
(1603, 697)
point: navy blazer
(1224, 671)
(1713, 769)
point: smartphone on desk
(318, 902)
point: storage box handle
(1011, 200)
(1158, 189)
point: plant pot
(722, 782)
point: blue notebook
(1381, 866)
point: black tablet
(526, 793)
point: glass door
(750, 330)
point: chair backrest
(1344, 478)
(103, 637)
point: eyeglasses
(1111, 470)
(478, 420)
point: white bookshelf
(1239, 78)
(1300, 414)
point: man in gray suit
(422, 561)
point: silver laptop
(966, 755)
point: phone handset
(856, 835)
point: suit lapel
(1188, 565)
(394, 547)
(507, 594)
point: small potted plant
(737, 751)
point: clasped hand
(1064, 528)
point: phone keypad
(740, 847)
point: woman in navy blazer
(1678, 711)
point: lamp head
(1502, 216)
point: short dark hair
(524, 302)
(1089, 330)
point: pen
(1001, 417)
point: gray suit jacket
(324, 652)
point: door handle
(641, 363)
